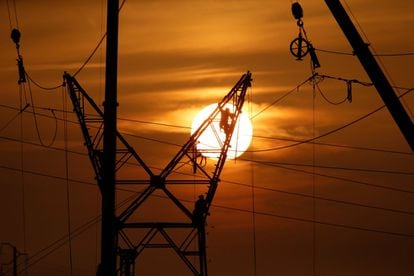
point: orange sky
(176, 57)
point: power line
(42, 86)
(65, 136)
(337, 145)
(277, 164)
(327, 99)
(9, 14)
(337, 225)
(78, 70)
(345, 202)
(62, 241)
(229, 182)
(276, 101)
(331, 131)
(98, 45)
(400, 54)
(364, 83)
(270, 164)
(32, 104)
(10, 121)
(163, 142)
(318, 222)
(186, 127)
(337, 178)
(282, 97)
(90, 55)
(339, 168)
(47, 175)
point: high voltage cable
(65, 136)
(337, 178)
(373, 50)
(75, 233)
(364, 83)
(268, 214)
(282, 97)
(15, 14)
(307, 220)
(345, 202)
(90, 223)
(331, 131)
(400, 54)
(284, 163)
(337, 145)
(32, 104)
(323, 135)
(185, 127)
(98, 45)
(319, 222)
(56, 177)
(41, 86)
(47, 175)
(339, 168)
(225, 181)
(329, 100)
(79, 69)
(10, 121)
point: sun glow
(210, 142)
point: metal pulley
(299, 47)
(15, 36)
(297, 13)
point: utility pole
(109, 232)
(374, 71)
(16, 254)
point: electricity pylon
(134, 233)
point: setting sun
(212, 139)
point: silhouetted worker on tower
(224, 120)
(200, 209)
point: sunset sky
(177, 57)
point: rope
(314, 85)
(253, 194)
(22, 169)
(9, 14)
(15, 13)
(35, 119)
(326, 98)
(65, 135)
(42, 86)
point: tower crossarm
(236, 98)
(90, 116)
